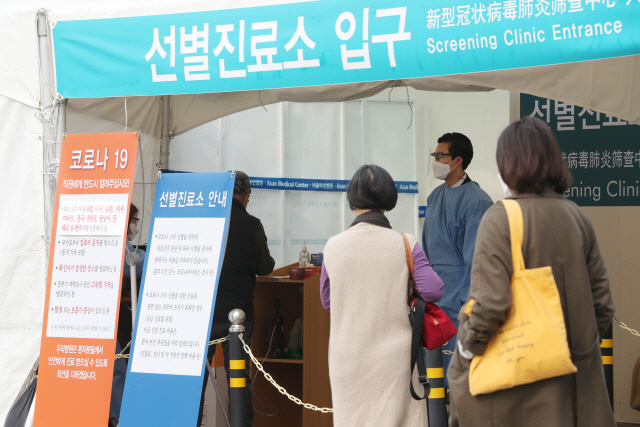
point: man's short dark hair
(242, 185)
(529, 158)
(372, 188)
(459, 146)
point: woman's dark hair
(529, 159)
(133, 211)
(372, 188)
(459, 146)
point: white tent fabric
(611, 86)
(22, 247)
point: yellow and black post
(237, 379)
(436, 400)
(606, 348)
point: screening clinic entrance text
(614, 188)
(522, 36)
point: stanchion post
(237, 379)
(606, 348)
(436, 400)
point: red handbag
(437, 328)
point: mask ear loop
(460, 177)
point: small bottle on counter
(303, 259)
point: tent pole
(165, 137)
(61, 128)
(49, 124)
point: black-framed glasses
(439, 156)
(135, 220)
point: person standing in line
(125, 322)
(453, 214)
(363, 282)
(557, 233)
(132, 231)
(246, 256)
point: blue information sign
(176, 299)
(334, 185)
(332, 42)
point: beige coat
(370, 341)
(557, 234)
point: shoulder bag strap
(516, 229)
(409, 255)
(416, 317)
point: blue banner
(176, 299)
(422, 211)
(332, 42)
(337, 185)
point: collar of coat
(548, 192)
(238, 204)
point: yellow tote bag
(532, 343)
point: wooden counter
(307, 379)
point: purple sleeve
(324, 287)
(428, 282)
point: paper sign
(177, 296)
(174, 319)
(85, 281)
(83, 284)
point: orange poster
(84, 279)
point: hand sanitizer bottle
(304, 256)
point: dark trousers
(220, 330)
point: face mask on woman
(441, 170)
(133, 230)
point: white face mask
(504, 186)
(441, 170)
(133, 230)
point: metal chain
(623, 326)
(313, 407)
(214, 342)
(278, 387)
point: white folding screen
(310, 141)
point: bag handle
(416, 317)
(516, 230)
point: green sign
(601, 151)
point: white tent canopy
(611, 86)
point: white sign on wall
(86, 272)
(176, 305)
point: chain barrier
(214, 342)
(277, 386)
(623, 326)
(327, 410)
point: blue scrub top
(451, 223)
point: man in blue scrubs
(453, 214)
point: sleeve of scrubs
(473, 218)
(491, 289)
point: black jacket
(246, 256)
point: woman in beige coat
(557, 234)
(364, 284)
